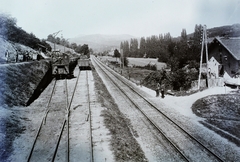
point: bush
(125, 61)
(151, 67)
(148, 67)
(183, 78)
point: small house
(224, 57)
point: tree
(84, 49)
(148, 47)
(50, 38)
(78, 48)
(196, 40)
(133, 48)
(142, 49)
(182, 47)
(73, 46)
(184, 35)
(125, 47)
(91, 51)
(125, 61)
(57, 40)
(116, 54)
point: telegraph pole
(204, 42)
(205, 31)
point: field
(139, 61)
(134, 74)
(145, 61)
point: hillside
(223, 31)
(11, 47)
(60, 47)
(99, 42)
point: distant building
(224, 57)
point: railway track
(190, 148)
(54, 140)
(89, 119)
(42, 148)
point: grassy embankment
(124, 145)
(18, 81)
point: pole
(200, 68)
(205, 31)
(123, 59)
(204, 42)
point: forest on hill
(11, 32)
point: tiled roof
(232, 45)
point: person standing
(157, 89)
(16, 57)
(7, 55)
(162, 91)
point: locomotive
(84, 62)
(60, 64)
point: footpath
(183, 104)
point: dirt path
(183, 104)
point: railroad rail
(90, 119)
(123, 85)
(43, 121)
(64, 117)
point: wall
(19, 81)
(219, 82)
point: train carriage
(60, 64)
(84, 62)
(11, 57)
(21, 57)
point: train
(84, 62)
(20, 56)
(60, 64)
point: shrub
(183, 78)
(148, 67)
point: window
(220, 57)
(220, 49)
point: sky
(139, 18)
